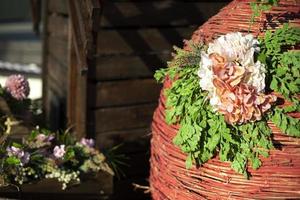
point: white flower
(234, 48)
(59, 151)
(205, 73)
(257, 76)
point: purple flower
(87, 142)
(25, 158)
(19, 153)
(44, 138)
(18, 86)
(59, 151)
(15, 151)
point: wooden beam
(119, 118)
(58, 22)
(118, 67)
(157, 13)
(44, 60)
(126, 92)
(141, 41)
(58, 6)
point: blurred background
(20, 46)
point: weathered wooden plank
(97, 186)
(125, 67)
(58, 6)
(126, 92)
(91, 11)
(119, 118)
(83, 38)
(77, 93)
(140, 41)
(58, 48)
(158, 13)
(58, 26)
(94, 9)
(139, 137)
(57, 73)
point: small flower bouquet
(48, 155)
(42, 154)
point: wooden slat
(78, 32)
(54, 87)
(58, 6)
(45, 84)
(58, 48)
(119, 118)
(90, 10)
(97, 186)
(157, 13)
(126, 92)
(94, 10)
(140, 137)
(57, 73)
(77, 92)
(140, 41)
(58, 26)
(82, 30)
(83, 20)
(124, 67)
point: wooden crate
(92, 187)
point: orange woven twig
(277, 178)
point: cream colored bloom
(226, 68)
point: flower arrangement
(42, 154)
(235, 83)
(47, 155)
(224, 93)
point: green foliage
(65, 138)
(34, 159)
(287, 124)
(203, 133)
(283, 66)
(284, 71)
(12, 160)
(259, 6)
(116, 160)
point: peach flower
(234, 81)
(242, 103)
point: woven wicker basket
(278, 178)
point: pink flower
(229, 72)
(17, 86)
(242, 103)
(59, 151)
(44, 138)
(87, 142)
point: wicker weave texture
(278, 178)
